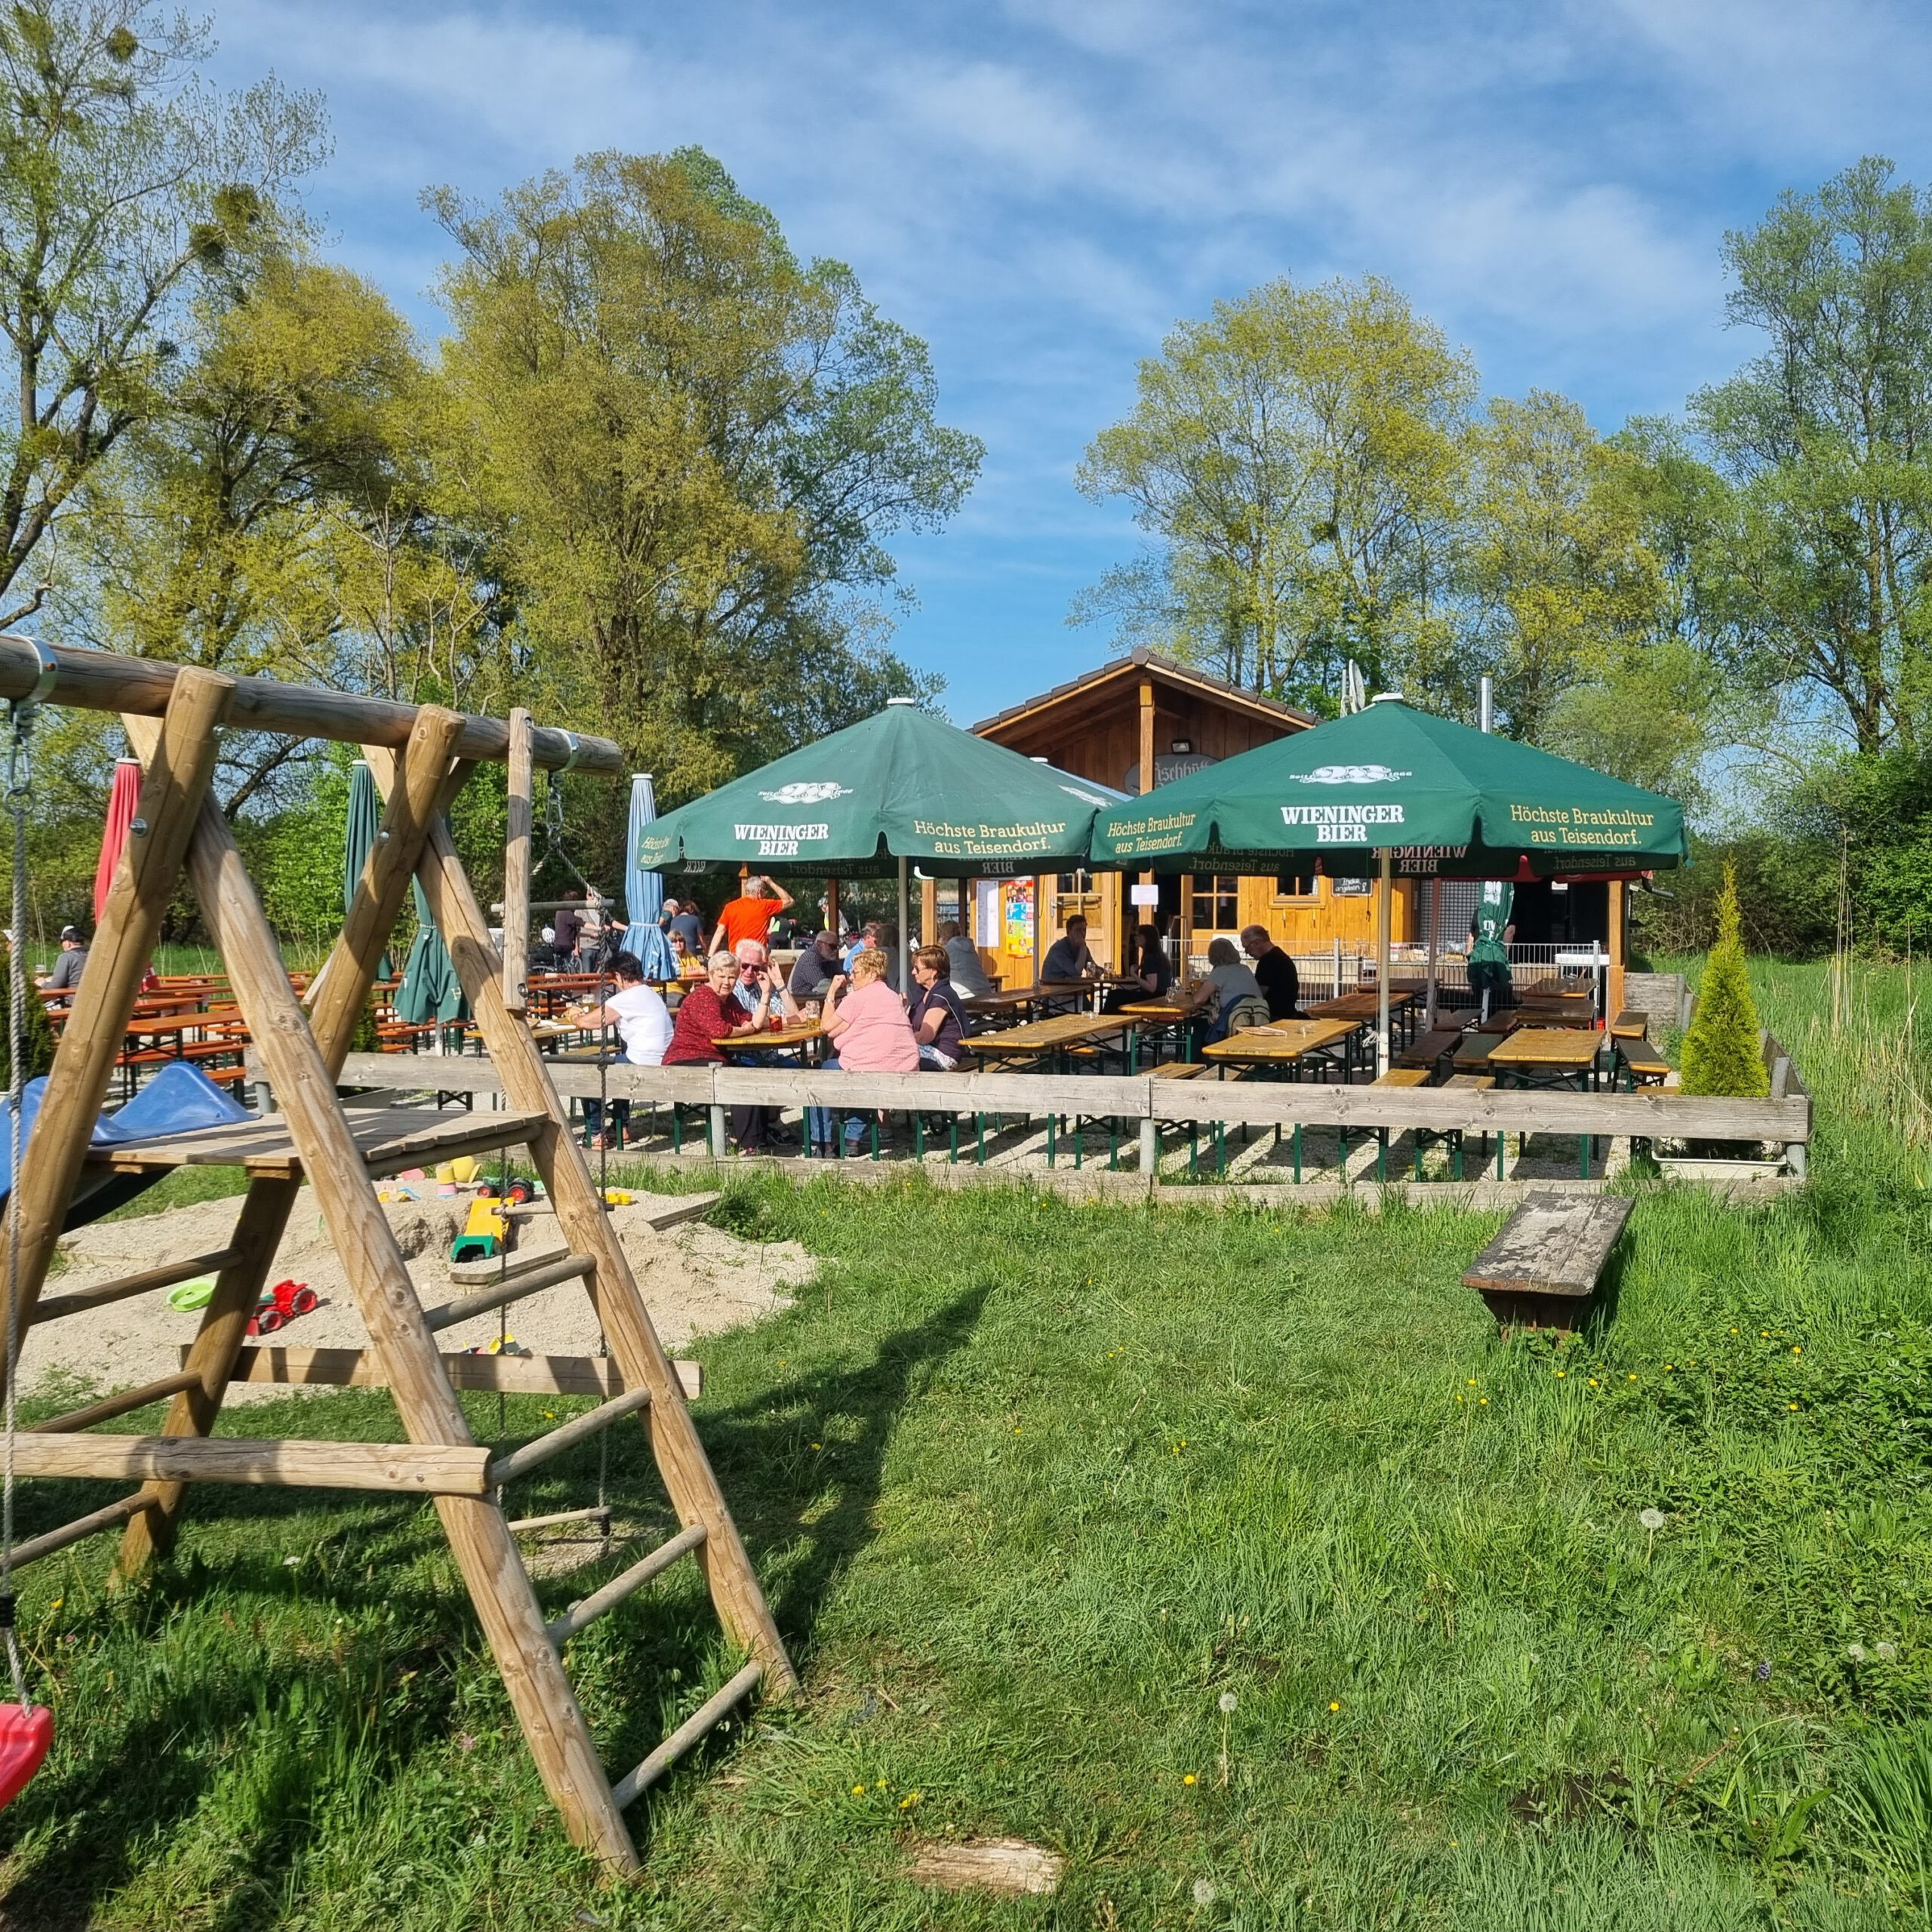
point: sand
(697, 1280)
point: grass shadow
(855, 1414)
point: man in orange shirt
(749, 916)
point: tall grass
(1036, 1487)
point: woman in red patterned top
(712, 1012)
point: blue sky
(1040, 190)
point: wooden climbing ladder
(420, 756)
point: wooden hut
(1142, 720)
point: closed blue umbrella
(643, 891)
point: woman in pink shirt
(869, 1030)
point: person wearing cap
(816, 967)
(67, 969)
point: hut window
(1216, 907)
(1296, 885)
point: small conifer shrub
(1721, 1054)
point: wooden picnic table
(1365, 1008)
(1037, 1039)
(1284, 1043)
(1559, 1054)
(793, 1033)
(1015, 999)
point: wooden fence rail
(1649, 1114)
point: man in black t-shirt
(1274, 972)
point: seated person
(1228, 987)
(1068, 958)
(643, 1021)
(68, 968)
(710, 1013)
(681, 921)
(868, 1029)
(563, 927)
(968, 977)
(815, 968)
(938, 1019)
(1274, 972)
(1151, 970)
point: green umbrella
(365, 812)
(1399, 793)
(901, 788)
(1447, 800)
(430, 989)
(901, 784)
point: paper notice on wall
(986, 913)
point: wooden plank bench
(1646, 1067)
(1430, 1049)
(1543, 1269)
(1630, 1024)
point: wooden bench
(1630, 1024)
(1430, 1048)
(1543, 1269)
(1177, 1069)
(1646, 1067)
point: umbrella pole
(1384, 1054)
(1435, 937)
(905, 974)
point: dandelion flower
(1336, 1705)
(1203, 1891)
(858, 1791)
(1651, 1519)
(1593, 1382)
(1888, 1653)
(1791, 1405)
(1630, 1378)
(1472, 1382)
(1482, 1401)
(1188, 1779)
(1559, 1375)
(881, 1784)
(1228, 1701)
(906, 1803)
(1856, 1652)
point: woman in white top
(643, 1021)
(1228, 984)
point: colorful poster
(1019, 916)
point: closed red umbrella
(122, 797)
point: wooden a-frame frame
(301, 1056)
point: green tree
(1297, 459)
(124, 187)
(282, 519)
(1827, 435)
(1562, 586)
(1721, 1053)
(686, 448)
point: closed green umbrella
(430, 989)
(1396, 792)
(365, 813)
(899, 789)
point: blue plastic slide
(178, 1099)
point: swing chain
(19, 798)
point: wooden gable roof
(1114, 683)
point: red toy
(281, 1305)
(26, 1732)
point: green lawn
(1231, 1554)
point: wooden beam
(53, 1307)
(349, 971)
(101, 681)
(118, 1404)
(687, 1471)
(185, 745)
(505, 1375)
(111, 1518)
(516, 865)
(443, 1469)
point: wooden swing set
(421, 756)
